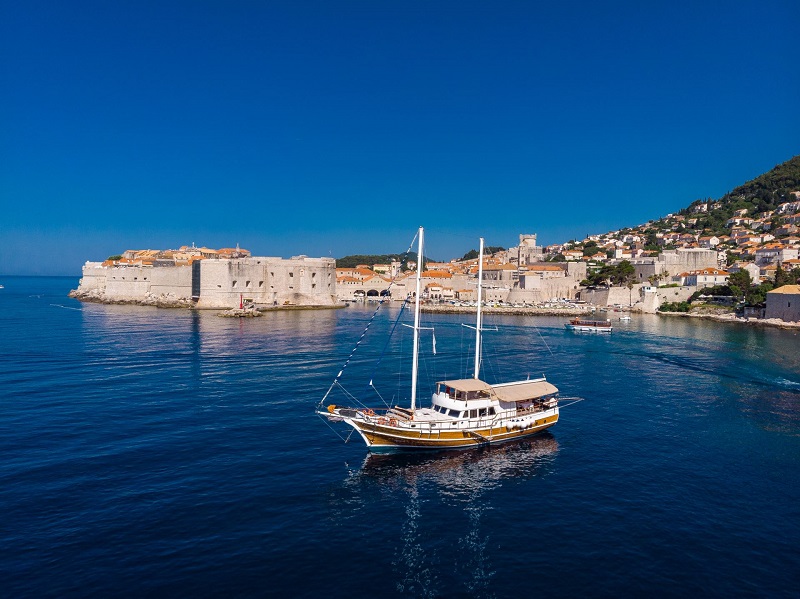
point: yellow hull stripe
(395, 436)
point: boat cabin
(462, 398)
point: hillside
(760, 195)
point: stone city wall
(298, 281)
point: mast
(415, 363)
(478, 324)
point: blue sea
(164, 453)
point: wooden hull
(383, 437)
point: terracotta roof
(436, 274)
(792, 289)
(537, 268)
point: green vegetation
(373, 259)
(787, 277)
(741, 287)
(591, 248)
(115, 257)
(763, 193)
(488, 250)
(620, 274)
(674, 307)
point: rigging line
(328, 424)
(572, 401)
(350, 395)
(542, 338)
(379, 394)
(386, 345)
(360, 339)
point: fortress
(213, 283)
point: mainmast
(415, 363)
(478, 324)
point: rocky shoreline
(158, 301)
(171, 301)
(730, 317)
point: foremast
(478, 323)
(415, 360)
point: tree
(739, 283)
(781, 276)
(623, 273)
(741, 279)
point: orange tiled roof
(436, 274)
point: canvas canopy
(511, 392)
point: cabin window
(482, 412)
(491, 411)
(454, 413)
(473, 413)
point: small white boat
(589, 326)
(625, 318)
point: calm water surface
(170, 453)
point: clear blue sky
(332, 128)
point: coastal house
(349, 287)
(784, 303)
(786, 230)
(788, 207)
(731, 222)
(706, 277)
(768, 271)
(752, 269)
(233, 253)
(501, 274)
(775, 252)
(708, 241)
(361, 273)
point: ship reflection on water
(420, 484)
(468, 471)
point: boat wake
(66, 307)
